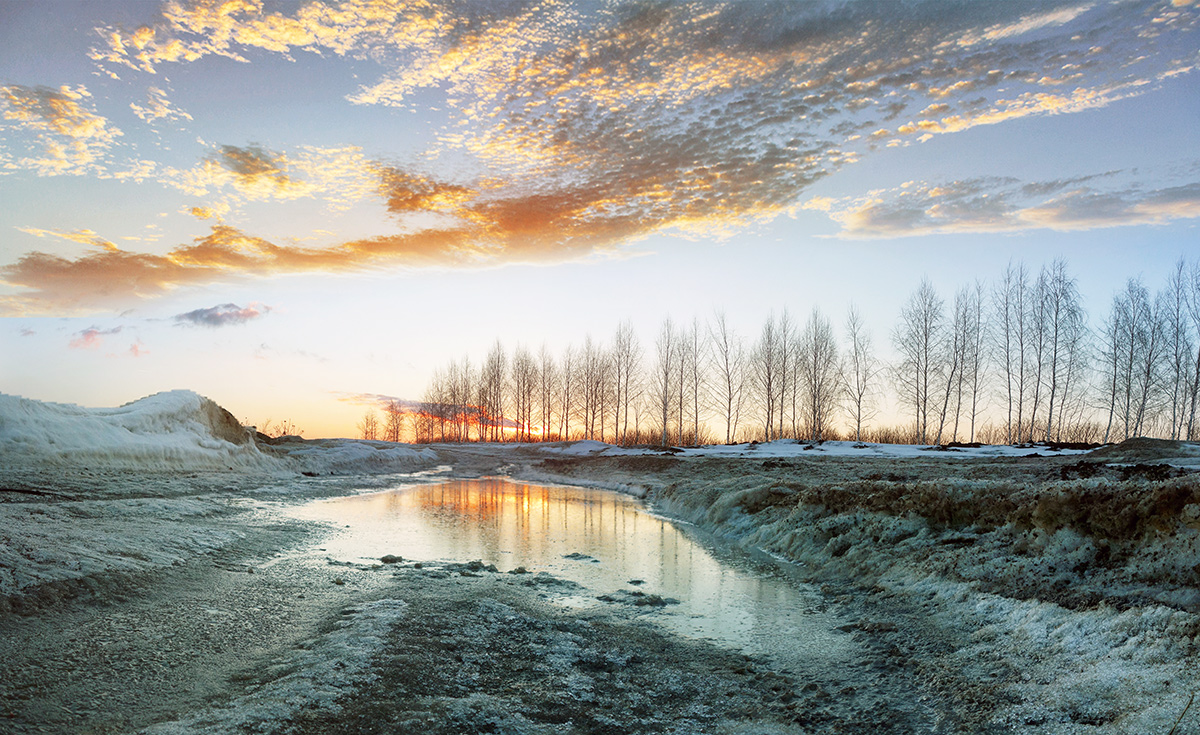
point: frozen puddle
(604, 541)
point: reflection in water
(512, 524)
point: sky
(287, 205)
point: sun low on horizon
(297, 208)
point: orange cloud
(52, 284)
(158, 107)
(72, 139)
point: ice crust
(314, 678)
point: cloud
(1005, 205)
(377, 400)
(339, 176)
(27, 332)
(67, 138)
(137, 349)
(54, 284)
(572, 130)
(158, 107)
(85, 237)
(223, 315)
(91, 338)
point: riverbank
(1055, 594)
(265, 632)
(162, 584)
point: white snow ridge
(177, 431)
(171, 431)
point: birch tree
(663, 385)
(860, 371)
(918, 339)
(729, 364)
(819, 374)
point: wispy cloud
(91, 338)
(68, 138)
(573, 129)
(158, 107)
(85, 237)
(338, 176)
(223, 315)
(137, 349)
(1005, 205)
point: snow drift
(174, 430)
(177, 431)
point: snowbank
(785, 448)
(349, 456)
(175, 430)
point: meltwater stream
(606, 542)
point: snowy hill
(177, 431)
(166, 431)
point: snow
(44, 546)
(784, 448)
(321, 673)
(349, 456)
(177, 431)
(171, 431)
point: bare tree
(567, 380)
(1134, 347)
(1193, 302)
(918, 339)
(664, 374)
(368, 427)
(788, 375)
(1179, 346)
(729, 358)
(950, 357)
(548, 379)
(1065, 321)
(694, 370)
(975, 357)
(861, 369)
(1011, 298)
(820, 375)
(491, 392)
(765, 371)
(626, 361)
(393, 421)
(524, 388)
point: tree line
(1010, 361)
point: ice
(318, 675)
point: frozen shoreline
(1057, 593)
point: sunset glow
(305, 209)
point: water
(602, 540)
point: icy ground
(152, 580)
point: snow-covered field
(1033, 590)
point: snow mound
(349, 456)
(174, 430)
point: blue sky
(355, 192)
